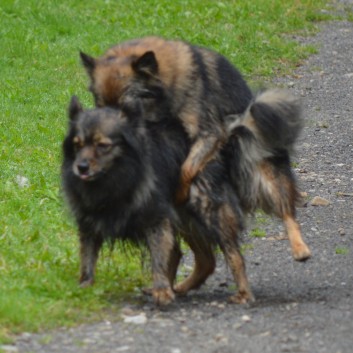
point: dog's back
(195, 85)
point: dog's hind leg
(161, 243)
(279, 196)
(205, 264)
(89, 250)
(300, 250)
(229, 230)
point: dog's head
(117, 76)
(99, 138)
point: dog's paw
(181, 288)
(163, 296)
(241, 298)
(86, 283)
(301, 252)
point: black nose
(83, 166)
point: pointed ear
(75, 108)
(88, 62)
(146, 64)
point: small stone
(319, 201)
(341, 231)
(221, 338)
(323, 125)
(290, 84)
(246, 318)
(184, 329)
(265, 334)
(137, 319)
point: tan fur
(185, 73)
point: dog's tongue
(84, 176)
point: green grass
(342, 250)
(258, 233)
(40, 70)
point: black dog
(120, 175)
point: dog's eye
(147, 94)
(103, 147)
(78, 144)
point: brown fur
(197, 85)
(258, 157)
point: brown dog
(196, 85)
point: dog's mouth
(87, 176)
(85, 173)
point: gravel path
(300, 307)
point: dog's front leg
(89, 249)
(161, 243)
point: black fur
(103, 204)
(132, 197)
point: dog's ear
(146, 64)
(75, 108)
(88, 62)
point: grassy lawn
(39, 71)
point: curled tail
(259, 148)
(274, 118)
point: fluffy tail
(274, 118)
(259, 148)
